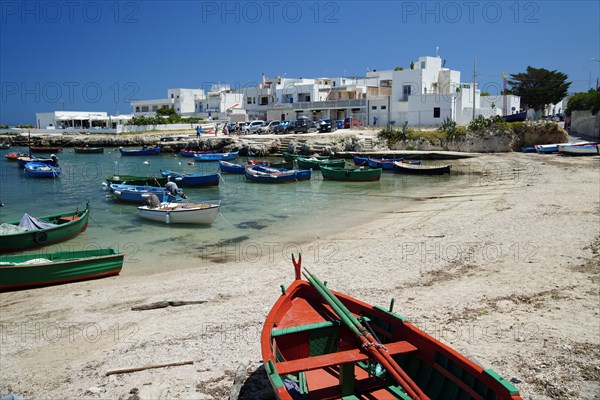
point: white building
(183, 101)
(79, 120)
(426, 93)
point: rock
(93, 390)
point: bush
(584, 101)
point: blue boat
(140, 152)
(215, 156)
(388, 163)
(21, 161)
(191, 179)
(191, 153)
(360, 161)
(140, 194)
(40, 170)
(522, 116)
(232, 168)
(264, 174)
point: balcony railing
(357, 103)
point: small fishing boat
(45, 149)
(140, 152)
(415, 169)
(215, 156)
(528, 149)
(360, 161)
(192, 153)
(361, 174)
(140, 194)
(31, 232)
(21, 161)
(26, 271)
(15, 156)
(321, 344)
(264, 174)
(314, 163)
(89, 150)
(176, 213)
(231, 168)
(137, 180)
(578, 150)
(519, 117)
(548, 148)
(189, 180)
(4, 146)
(285, 164)
(40, 170)
(292, 157)
(384, 163)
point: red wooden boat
(14, 156)
(319, 344)
(46, 149)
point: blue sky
(100, 55)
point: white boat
(578, 150)
(177, 213)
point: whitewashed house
(183, 101)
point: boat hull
(140, 194)
(171, 213)
(65, 267)
(216, 156)
(141, 152)
(416, 169)
(305, 163)
(302, 338)
(89, 150)
(68, 225)
(352, 174)
(580, 150)
(191, 180)
(263, 174)
(21, 161)
(39, 170)
(46, 149)
(231, 168)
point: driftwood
(163, 304)
(238, 382)
(128, 370)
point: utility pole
(474, 84)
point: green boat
(292, 157)
(313, 163)
(26, 271)
(137, 180)
(50, 229)
(351, 174)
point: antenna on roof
(436, 51)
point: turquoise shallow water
(256, 219)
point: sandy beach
(503, 267)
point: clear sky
(100, 55)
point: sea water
(256, 219)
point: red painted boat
(14, 156)
(46, 149)
(319, 344)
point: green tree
(585, 101)
(538, 87)
(398, 69)
(165, 111)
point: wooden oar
(369, 342)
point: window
(436, 112)
(171, 95)
(264, 100)
(144, 108)
(137, 109)
(405, 92)
(383, 107)
(154, 108)
(373, 107)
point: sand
(502, 267)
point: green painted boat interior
(437, 378)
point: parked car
(253, 126)
(326, 125)
(304, 125)
(269, 127)
(284, 127)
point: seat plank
(339, 358)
